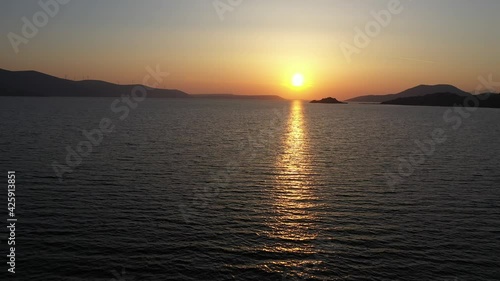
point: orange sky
(258, 46)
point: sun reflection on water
(292, 225)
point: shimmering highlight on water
(252, 190)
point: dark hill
(33, 83)
(420, 90)
(448, 99)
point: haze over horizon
(255, 47)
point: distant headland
(490, 100)
(36, 84)
(434, 95)
(419, 90)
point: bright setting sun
(298, 80)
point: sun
(298, 80)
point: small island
(328, 100)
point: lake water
(252, 190)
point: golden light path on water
(292, 225)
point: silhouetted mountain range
(450, 99)
(420, 90)
(33, 83)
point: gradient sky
(260, 44)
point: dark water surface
(252, 190)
